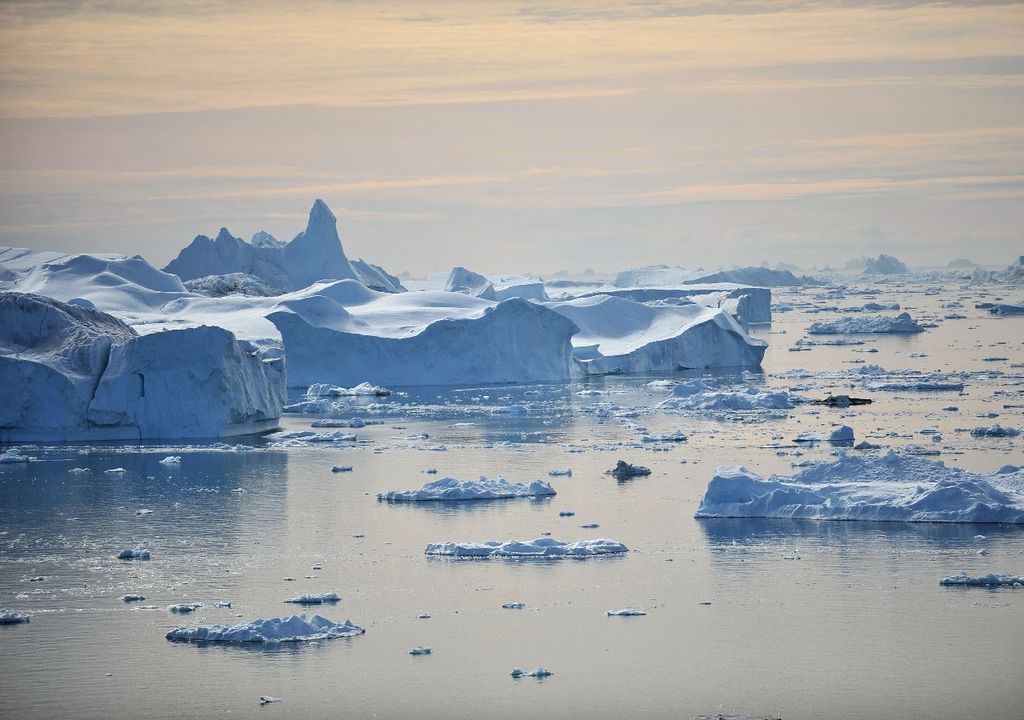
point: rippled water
(806, 620)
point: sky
(519, 136)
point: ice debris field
(265, 422)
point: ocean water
(805, 619)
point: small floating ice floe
(540, 548)
(677, 436)
(139, 552)
(423, 616)
(37, 578)
(843, 434)
(590, 526)
(626, 612)
(964, 580)
(341, 468)
(560, 473)
(222, 604)
(450, 489)
(902, 323)
(420, 650)
(267, 699)
(9, 617)
(171, 460)
(184, 608)
(13, 455)
(624, 470)
(115, 471)
(537, 673)
(566, 513)
(315, 599)
(144, 511)
(514, 606)
(996, 431)
(296, 628)
(131, 597)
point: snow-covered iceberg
(544, 547)
(482, 489)
(74, 373)
(902, 323)
(346, 335)
(296, 628)
(619, 335)
(888, 488)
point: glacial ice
(75, 374)
(888, 488)
(295, 628)
(9, 617)
(620, 335)
(482, 489)
(902, 323)
(543, 547)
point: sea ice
(482, 489)
(888, 488)
(964, 580)
(296, 628)
(543, 547)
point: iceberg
(624, 470)
(619, 335)
(13, 455)
(626, 612)
(696, 395)
(231, 284)
(420, 650)
(537, 673)
(902, 323)
(346, 335)
(964, 580)
(888, 488)
(74, 373)
(482, 489)
(543, 547)
(760, 276)
(139, 552)
(296, 628)
(461, 280)
(9, 617)
(315, 599)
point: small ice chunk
(420, 650)
(184, 608)
(514, 606)
(115, 471)
(560, 473)
(842, 434)
(13, 455)
(267, 699)
(482, 489)
(295, 628)
(222, 604)
(341, 468)
(543, 547)
(139, 552)
(964, 580)
(626, 612)
(171, 460)
(132, 598)
(566, 513)
(537, 673)
(624, 470)
(144, 511)
(9, 617)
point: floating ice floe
(115, 471)
(317, 390)
(9, 617)
(13, 455)
(315, 599)
(139, 552)
(514, 606)
(171, 460)
(902, 323)
(626, 612)
(309, 436)
(676, 436)
(964, 580)
(482, 489)
(295, 628)
(184, 608)
(420, 650)
(543, 547)
(888, 488)
(267, 699)
(996, 431)
(537, 673)
(696, 395)
(560, 473)
(842, 434)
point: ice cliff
(75, 373)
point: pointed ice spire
(316, 253)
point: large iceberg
(619, 335)
(887, 488)
(748, 304)
(314, 254)
(296, 628)
(74, 373)
(544, 547)
(347, 334)
(760, 276)
(482, 489)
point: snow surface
(889, 488)
(296, 628)
(482, 489)
(543, 547)
(620, 335)
(902, 323)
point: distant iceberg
(696, 395)
(482, 489)
(902, 323)
(543, 547)
(888, 488)
(296, 628)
